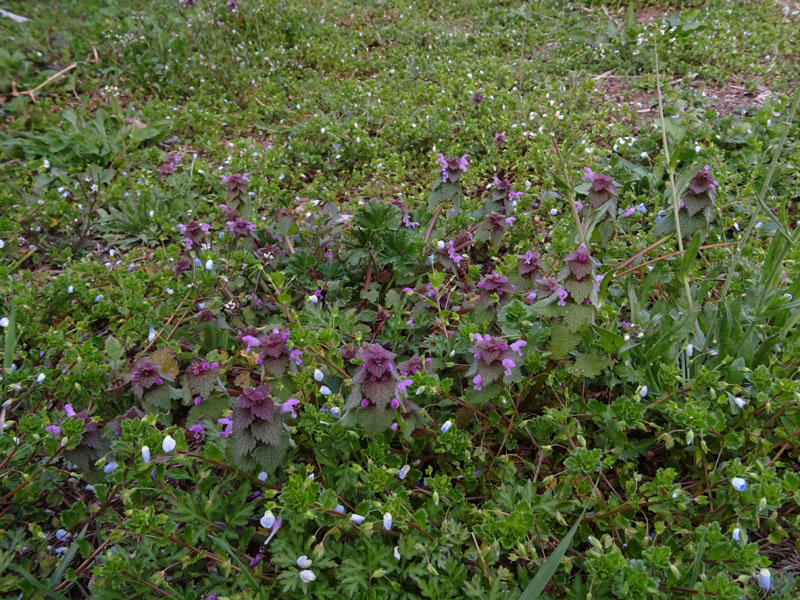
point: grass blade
(538, 583)
(38, 586)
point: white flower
(152, 334)
(325, 390)
(70, 289)
(318, 375)
(4, 322)
(764, 577)
(305, 575)
(40, 378)
(2, 244)
(146, 454)
(740, 402)
(268, 520)
(387, 521)
(396, 553)
(303, 562)
(739, 484)
(446, 426)
(643, 155)
(313, 299)
(168, 445)
(209, 265)
(403, 472)
(356, 519)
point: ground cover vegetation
(422, 299)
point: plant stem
(571, 195)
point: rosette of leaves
(447, 256)
(599, 191)
(201, 377)
(529, 265)
(697, 206)
(260, 437)
(376, 390)
(91, 446)
(492, 359)
(274, 352)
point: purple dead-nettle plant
(145, 377)
(530, 265)
(273, 350)
(547, 286)
(414, 365)
(700, 194)
(206, 315)
(241, 228)
(202, 377)
(495, 226)
(447, 256)
(579, 262)
(237, 190)
(183, 265)
(452, 168)
(259, 437)
(476, 99)
(493, 358)
(494, 283)
(578, 277)
(194, 233)
(602, 190)
(377, 389)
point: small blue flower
(356, 519)
(764, 579)
(335, 412)
(209, 265)
(403, 471)
(387, 521)
(325, 390)
(110, 467)
(739, 484)
(318, 376)
(168, 445)
(446, 426)
(98, 298)
(740, 536)
(262, 476)
(303, 562)
(268, 520)
(146, 454)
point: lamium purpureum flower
(703, 183)
(145, 376)
(529, 265)
(376, 377)
(241, 228)
(579, 262)
(273, 350)
(194, 233)
(494, 283)
(601, 191)
(496, 224)
(201, 377)
(259, 435)
(493, 358)
(452, 168)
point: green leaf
(589, 365)
(73, 515)
(689, 256)
(35, 583)
(562, 341)
(545, 574)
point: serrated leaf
(374, 420)
(579, 290)
(589, 365)
(242, 443)
(159, 399)
(562, 341)
(268, 433)
(213, 409)
(577, 315)
(113, 350)
(165, 359)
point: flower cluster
(145, 376)
(530, 265)
(494, 283)
(201, 376)
(493, 358)
(447, 256)
(237, 189)
(194, 233)
(273, 350)
(700, 196)
(601, 191)
(241, 228)
(168, 168)
(452, 168)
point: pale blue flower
(168, 445)
(146, 454)
(268, 520)
(396, 553)
(318, 375)
(307, 576)
(739, 484)
(325, 390)
(110, 467)
(764, 579)
(403, 471)
(356, 519)
(740, 536)
(303, 562)
(209, 265)
(40, 378)
(740, 402)
(262, 476)
(387, 521)
(446, 426)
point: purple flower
(228, 423)
(409, 223)
(562, 297)
(602, 189)
(413, 365)
(197, 430)
(145, 376)
(579, 262)
(194, 232)
(703, 183)
(257, 558)
(492, 358)
(240, 228)
(254, 404)
(476, 381)
(530, 264)
(508, 364)
(288, 406)
(476, 99)
(499, 138)
(517, 346)
(628, 212)
(494, 283)
(53, 430)
(453, 168)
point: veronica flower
(740, 402)
(739, 484)
(146, 454)
(307, 576)
(168, 444)
(325, 390)
(262, 477)
(4, 322)
(318, 376)
(268, 520)
(396, 553)
(403, 471)
(764, 579)
(209, 265)
(446, 426)
(110, 467)
(357, 519)
(740, 536)
(303, 562)
(387, 521)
